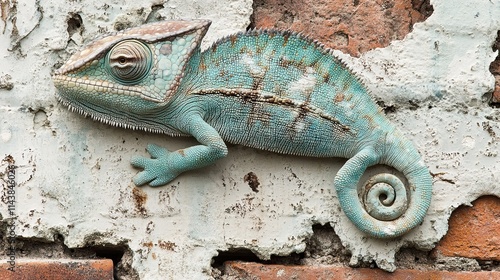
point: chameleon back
(285, 89)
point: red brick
(474, 232)
(41, 269)
(351, 26)
(257, 271)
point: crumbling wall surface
(73, 176)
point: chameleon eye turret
(129, 62)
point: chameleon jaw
(106, 119)
(66, 86)
(97, 86)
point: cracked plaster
(74, 176)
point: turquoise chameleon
(267, 89)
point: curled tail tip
(373, 211)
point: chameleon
(268, 89)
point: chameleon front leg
(165, 165)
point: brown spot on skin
(233, 38)
(339, 97)
(326, 78)
(140, 198)
(286, 63)
(202, 66)
(148, 244)
(302, 65)
(257, 83)
(166, 49)
(167, 245)
(252, 180)
(286, 36)
(316, 66)
(244, 49)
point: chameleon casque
(268, 89)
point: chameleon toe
(156, 151)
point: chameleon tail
(385, 208)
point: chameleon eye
(129, 61)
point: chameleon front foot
(160, 169)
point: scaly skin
(270, 90)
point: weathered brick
(474, 231)
(41, 269)
(257, 271)
(353, 27)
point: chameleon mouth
(63, 88)
(102, 117)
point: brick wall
(353, 27)
(470, 250)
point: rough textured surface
(353, 27)
(45, 269)
(73, 175)
(473, 231)
(251, 271)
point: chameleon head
(124, 76)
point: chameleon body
(267, 89)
